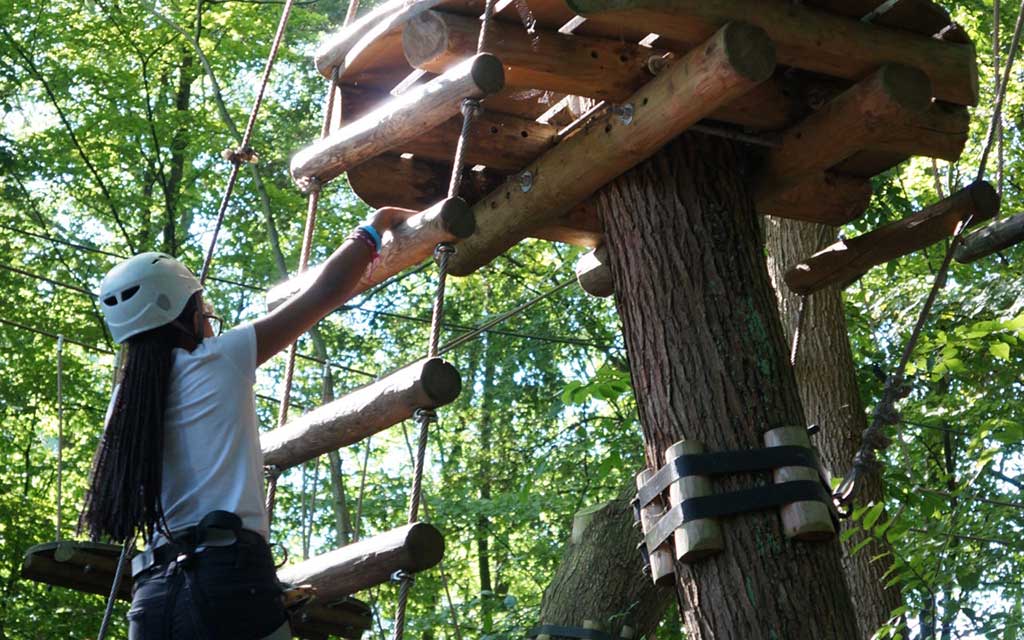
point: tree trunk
(601, 576)
(709, 362)
(828, 388)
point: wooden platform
(90, 566)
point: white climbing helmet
(145, 292)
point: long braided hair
(125, 484)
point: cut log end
(488, 73)
(426, 546)
(906, 86)
(593, 273)
(985, 199)
(424, 38)
(457, 217)
(749, 50)
(441, 382)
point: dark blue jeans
(228, 593)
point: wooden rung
(594, 273)
(368, 562)
(398, 121)
(847, 260)
(335, 48)
(406, 245)
(825, 198)
(368, 410)
(806, 38)
(349, 618)
(597, 68)
(696, 539)
(734, 60)
(663, 570)
(845, 125)
(807, 520)
(997, 236)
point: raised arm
(331, 288)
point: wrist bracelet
(372, 232)
(360, 235)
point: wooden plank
(579, 65)
(414, 183)
(368, 562)
(918, 16)
(735, 59)
(999, 235)
(847, 260)
(368, 410)
(826, 198)
(408, 244)
(83, 566)
(806, 38)
(852, 121)
(400, 120)
(349, 618)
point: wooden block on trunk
(826, 198)
(368, 410)
(847, 260)
(696, 539)
(735, 59)
(368, 562)
(808, 520)
(400, 120)
(663, 570)
(594, 274)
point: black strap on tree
(559, 631)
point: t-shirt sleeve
(239, 347)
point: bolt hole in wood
(646, 100)
(494, 129)
(593, 54)
(608, 128)
(524, 134)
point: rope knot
(240, 155)
(309, 185)
(425, 415)
(401, 576)
(470, 108)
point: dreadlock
(125, 486)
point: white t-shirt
(212, 455)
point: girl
(180, 456)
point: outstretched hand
(387, 218)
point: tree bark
(708, 362)
(601, 576)
(828, 388)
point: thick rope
(244, 153)
(118, 572)
(798, 332)
(60, 433)
(873, 439)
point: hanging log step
(429, 383)
(368, 562)
(734, 60)
(400, 120)
(1001, 234)
(408, 244)
(805, 38)
(847, 260)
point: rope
(798, 331)
(113, 590)
(244, 152)
(873, 439)
(60, 432)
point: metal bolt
(625, 112)
(526, 181)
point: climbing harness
(873, 439)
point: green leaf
(872, 515)
(1000, 350)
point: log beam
(406, 245)
(806, 38)
(997, 236)
(368, 562)
(368, 410)
(847, 260)
(597, 68)
(390, 180)
(826, 198)
(398, 121)
(735, 59)
(850, 122)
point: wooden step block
(806, 38)
(400, 120)
(1001, 234)
(425, 384)
(408, 244)
(736, 59)
(847, 260)
(415, 183)
(594, 274)
(368, 562)
(826, 198)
